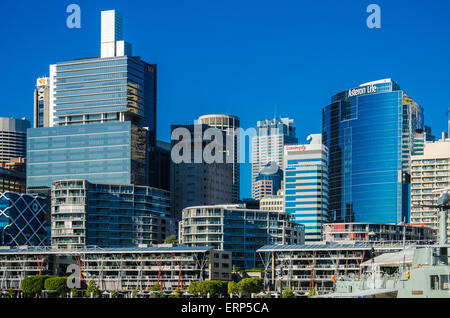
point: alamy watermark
(212, 145)
(74, 19)
(74, 279)
(374, 19)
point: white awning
(391, 259)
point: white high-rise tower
(112, 43)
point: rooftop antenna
(448, 118)
(275, 111)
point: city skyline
(292, 77)
(127, 174)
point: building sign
(299, 148)
(362, 90)
(150, 69)
(43, 81)
(306, 147)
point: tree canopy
(215, 288)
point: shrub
(249, 286)
(58, 284)
(74, 292)
(34, 284)
(288, 293)
(176, 293)
(92, 288)
(215, 288)
(233, 288)
(156, 287)
(12, 293)
(311, 293)
(172, 239)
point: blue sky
(241, 57)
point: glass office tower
(102, 118)
(369, 131)
(267, 146)
(97, 90)
(111, 152)
(13, 138)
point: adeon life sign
(362, 90)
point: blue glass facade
(370, 131)
(23, 220)
(109, 152)
(103, 89)
(104, 124)
(271, 172)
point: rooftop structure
(121, 269)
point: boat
(415, 272)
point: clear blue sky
(241, 57)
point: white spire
(112, 43)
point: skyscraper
(269, 181)
(228, 124)
(102, 118)
(198, 182)
(13, 138)
(369, 131)
(306, 185)
(42, 103)
(267, 146)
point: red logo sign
(301, 148)
(150, 69)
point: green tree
(172, 239)
(311, 293)
(288, 293)
(176, 293)
(156, 287)
(74, 292)
(113, 293)
(33, 284)
(58, 284)
(233, 288)
(12, 293)
(92, 288)
(247, 286)
(214, 288)
(193, 288)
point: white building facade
(430, 171)
(267, 145)
(306, 185)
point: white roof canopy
(391, 259)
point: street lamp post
(372, 251)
